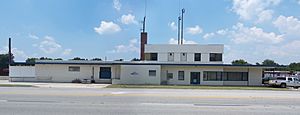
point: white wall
(255, 76)
(163, 49)
(21, 71)
(138, 74)
(61, 73)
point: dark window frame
(151, 73)
(180, 75)
(153, 56)
(197, 57)
(170, 75)
(215, 57)
(225, 76)
(74, 68)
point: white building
(163, 64)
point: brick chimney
(143, 42)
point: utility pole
(9, 52)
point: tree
(96, 59)
(58, 59)
(45, 58)
(294, 66)
(269, 62)
(31, 60)
(78, 58)
(135, 59)
(239, 62)
(4, 60)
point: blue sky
(253, 30)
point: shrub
(76, 80)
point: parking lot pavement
(55, 85)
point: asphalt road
(71, 101)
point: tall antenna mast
(178, 30)
(182, 11)
(144, 21)
(178, 23)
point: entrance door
(105, 73)
(195, 77)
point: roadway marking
(168, 104)
(116, 93)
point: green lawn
(195, 87)
(14, 85)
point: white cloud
(253, 9)
(242, 34)
(264, 16)
(131, 47)
(107, 27)
(287, 25)
(67, 52)
(172, 25)
(194, 30)
(299, 2)
(128, 19)
(209, 35)
(175, 41)
(220, 32)
(49, 45)
(117, 5)
(33, 36)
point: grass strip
(14, 85)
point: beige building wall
(187, 71)
(138, 74)
(61, 73)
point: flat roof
(85, 62)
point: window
(183, 56)
(74, 68)
(237, 76)
(225, 76)
(290, 79)
(180, 75)
(152, 73)
(170, 56)
(197, 57)
(212, 76)
(215, 57)
(153, 56)
(169, 76)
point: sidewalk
(54, 85)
